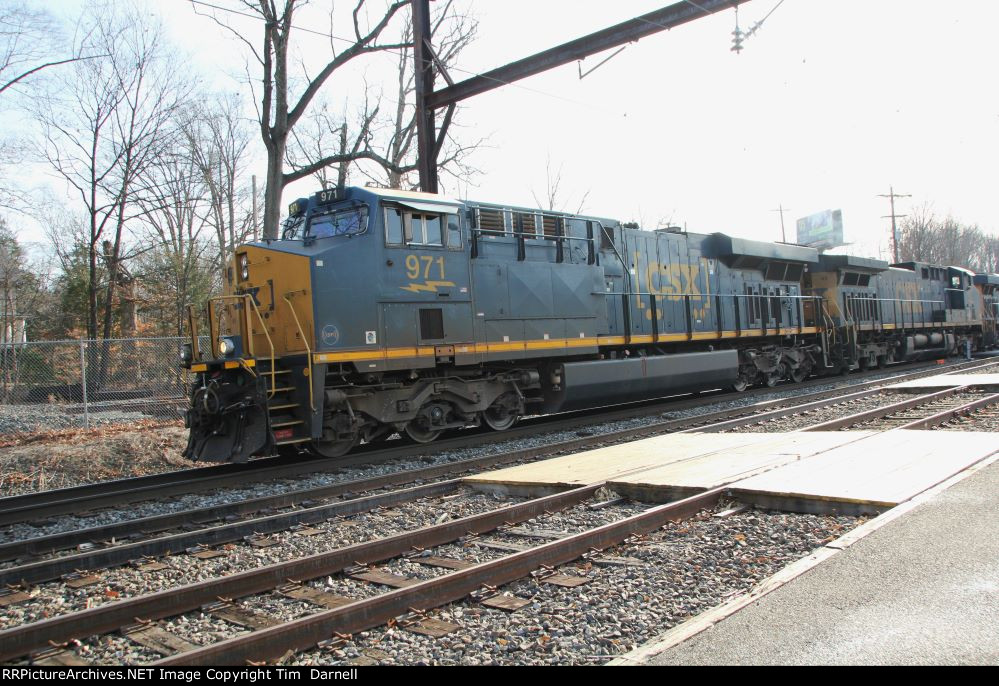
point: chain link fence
(81, 383)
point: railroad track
(44, 505)
(345, 615)
(116, 543)
(134, 541)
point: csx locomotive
(382, 311)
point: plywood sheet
(614, 462)
(951, 381)
(703, 472)
(881, 470)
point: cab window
(403, 227)
(343, 223)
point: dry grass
(68, 457)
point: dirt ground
(69, 457)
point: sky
(829, 104)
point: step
(286, 406)
(290, 441)
(284, 389)
(283, 423)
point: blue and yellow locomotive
(383, 311)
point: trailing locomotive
(382, 311)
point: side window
(432, 230)
(415, 233)
(393, 226)
(453, 232)
(405, 228)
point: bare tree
(322, 131)
(103, 122)
(279, 110)
(452, 29)
(30, 42)
(217, 140)
(553, 200)
(923, 237)
(177, 268)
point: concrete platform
(842, 472)
(922, 588)
(681, 479)
(870, 475)
(981, 381)
(684, 462)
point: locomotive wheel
(740, 385)
(421, 433)
(500, 416)
(333, 448)
(800, 373)
(771, 379)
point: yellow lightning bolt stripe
(428, 286)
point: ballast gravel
(54, 598)
(682, 570)
(319, 479)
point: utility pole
(253, 190)
(894, 231)
(782, 209)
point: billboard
(822, 230)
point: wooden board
(160, 641)
(434, 628)
(870, 475)
(613, 462)
(680, 479)
(243, 617)
(60, 658)
(443, 562)
(315, 596)
(385, 579)
(951, 381)
(13, 598)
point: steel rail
(113, 556)
(947, 415)
(158, 523)
(21, 640)
(271, 643)
(45, 504)
(885, 410)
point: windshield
(342, 223)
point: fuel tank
(578, 385)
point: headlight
(244, 267)
(226, 346)
(186, 355)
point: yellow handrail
(245, 332)
(305, 342)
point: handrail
(245, 332)
(192, 325)
(308, 349)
